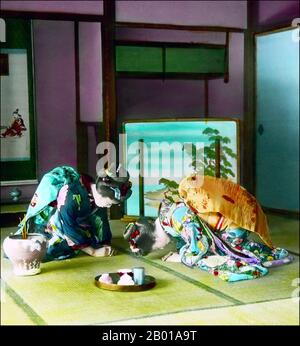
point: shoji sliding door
(277, 120)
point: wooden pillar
(141, 178)
(108, 67)
(226, 74)
(248, 125)
(109, 85)
(218, 158)
(81, 128)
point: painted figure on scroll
(211, 220)
(17, 126)
(71, 210)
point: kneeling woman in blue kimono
(70, 210)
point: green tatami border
(35, 318)
(190, 310)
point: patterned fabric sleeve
(74, 220)
(196, 246)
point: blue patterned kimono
(63, 210)
(228, 254)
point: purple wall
(90, 73)
(270, 13)
(227, 99)
(55, 94)
(83, 7)
(222, 13)
(141, 99)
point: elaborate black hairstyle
(140, 235)
(114, 183)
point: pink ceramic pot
(25, 254)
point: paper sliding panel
(277, 120)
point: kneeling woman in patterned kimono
(211, 221)
(70, 210)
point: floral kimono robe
(63, 210)
(228, 254)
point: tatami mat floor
(64, 292)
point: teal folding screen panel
(167, 154)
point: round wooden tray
(149, 283)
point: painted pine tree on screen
(209, 162)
